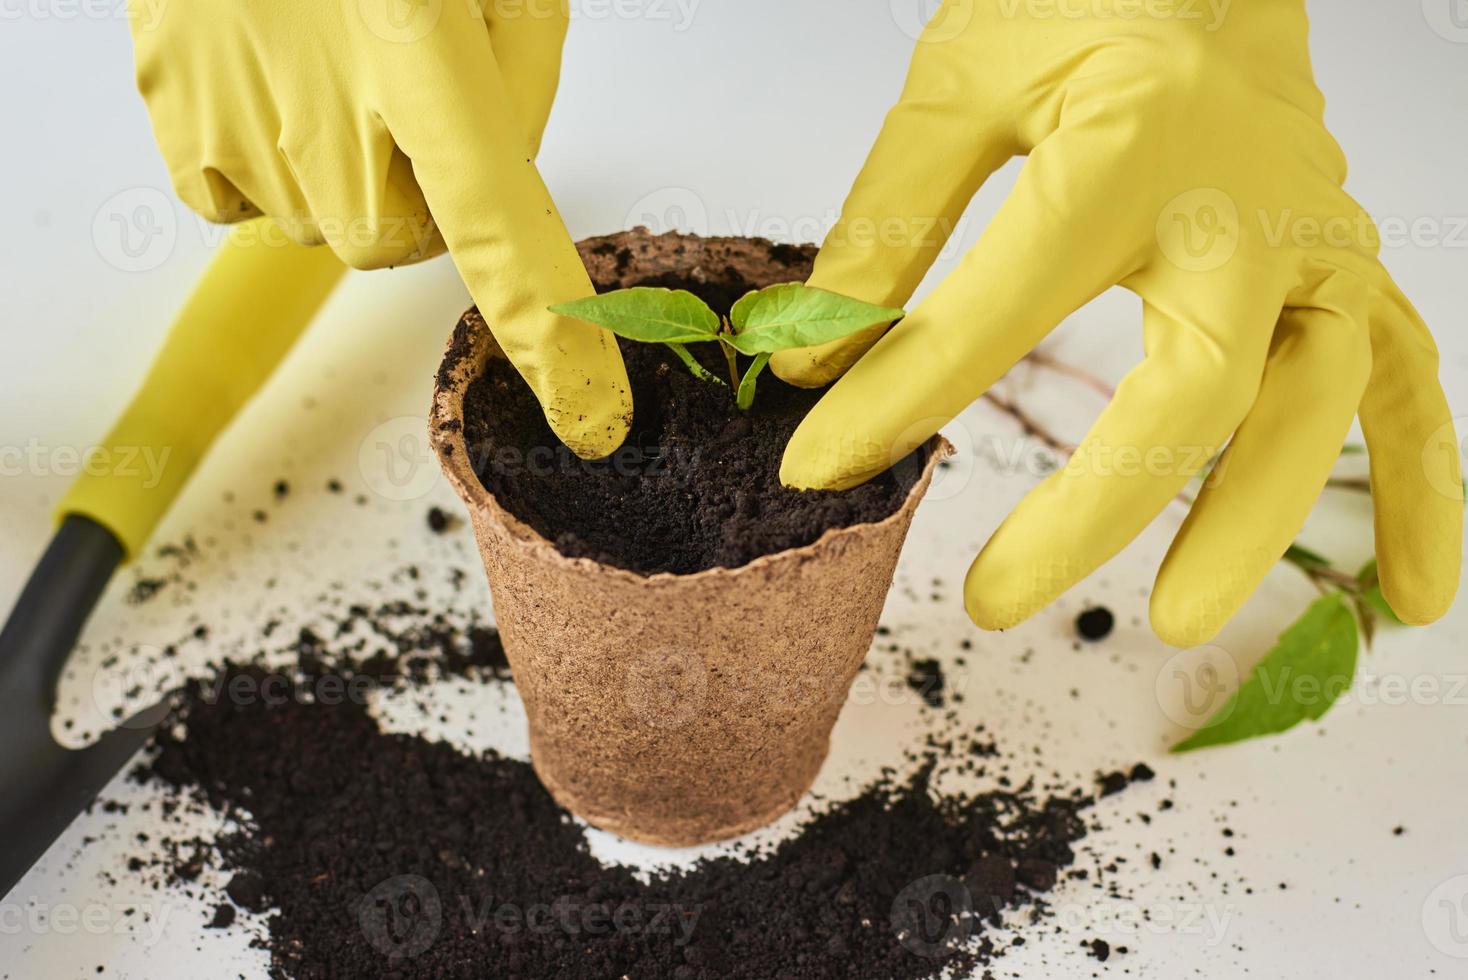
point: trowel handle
(255, 299)
(57, 599)
(46, 785)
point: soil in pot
(697, 484)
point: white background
(753, 117)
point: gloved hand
(1188, 162)
(347, 122)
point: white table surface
(671, 115)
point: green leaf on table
(793, 314)
(1312, 665)
(647, 313)
(1371, 593)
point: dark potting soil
(359, 853)
(697, 483)
(391, 856)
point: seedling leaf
(647, 313)
(793, 314)
(761, 323)
(1313, 663)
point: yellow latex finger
(528, 39)
(906, 204)
(1032, 267)
(478, 175)
(1263, 488)
(360, 196)
(1171, 415)
(1416, 462)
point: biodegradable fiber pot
(674, 709)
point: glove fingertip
(592, 432)
(988, 603)
(804, 368)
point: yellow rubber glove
(1187, 161)
(252, 303)
(348, 121)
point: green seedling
(762, 323)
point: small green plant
(763, 322)
(1314, 661)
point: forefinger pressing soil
(697, 484)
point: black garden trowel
(255, 299)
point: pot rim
(469, 347)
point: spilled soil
(376, 855)
(697, 484)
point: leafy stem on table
(1319, 650)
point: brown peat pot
(674, 709)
